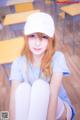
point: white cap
(39, 22)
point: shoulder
(58, 55)
(19, 61)
(17, 68)
(58, 60)
(59, 63)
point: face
(37, 44)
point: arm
(14, 85)
(54, 90)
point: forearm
(12, 108)
(54, 91)
(51, 112)
(52, 107)
(14, 85)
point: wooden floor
(71, 84)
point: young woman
(36, 89)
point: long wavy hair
(46, 59)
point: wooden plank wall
(71, 84)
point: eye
(45, 37)
(31, 36)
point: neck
(37, 60)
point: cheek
(30, 43)
(45, 44)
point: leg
(68, 110)
(22, 100)
(39, 100)
(63, 110)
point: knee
(41, 85)
(22, 88)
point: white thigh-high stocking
(39, 100)
(22, 101)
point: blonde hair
(46, 59)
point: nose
(37, 42)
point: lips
(37, 49)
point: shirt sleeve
(59, 64)
(16, 73)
